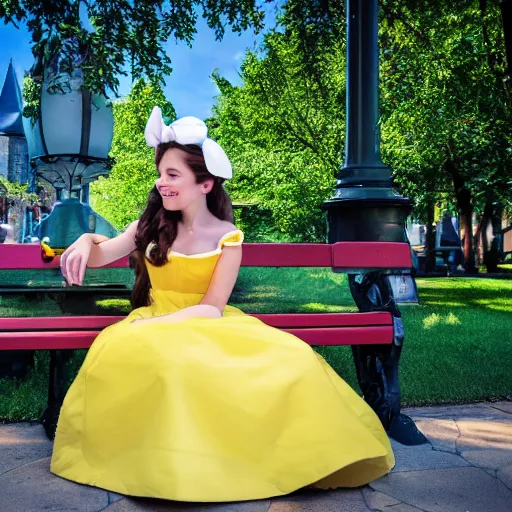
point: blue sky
(189, 87)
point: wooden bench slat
(367, 255)
(279, 320)
(341, 255)
(29, 257)
(57, 323)
(356, 319)
(333, 336)
(286, 255)
(48, 340)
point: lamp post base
(368, 219)
(377, 365)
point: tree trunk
(465, 206)
(466, 215)
(478, 239)
(492, 213)
(430, 249)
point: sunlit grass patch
(431, 320)
(452, 319)
(315, 307)
(119, 305)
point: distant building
(14, 160)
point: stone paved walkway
(466, 468)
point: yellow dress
(209, 410)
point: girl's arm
(106, 250)
(224, 278)
(92, 250)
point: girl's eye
(172, 175)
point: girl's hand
(73, 261)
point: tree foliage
(122, 196)
(284, 127)
(446, 122)
(124, 33)
(443, 101)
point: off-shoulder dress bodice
(184, 279)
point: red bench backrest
(343, 256)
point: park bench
(61, 335)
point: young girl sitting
(189, 398)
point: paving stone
(153, 505)
(377, 501)
(21, 443)
(441, 433)
(402, 507)
(341, 500)
(423, 456)
(32, 488)
(502, 406)
(505, 475)
(484, 411)
(113, 497)
(455, 490)
(484, 434)
(489, 459)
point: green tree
(446, 123)
(122, 196)
(284, 128)
(125, 33)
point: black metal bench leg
(377, 365)
(57, 388)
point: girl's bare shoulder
(223, 227)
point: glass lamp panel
(33, 135)
(61, 121)
(102, 127)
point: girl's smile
(167, 193)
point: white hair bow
(188, 130)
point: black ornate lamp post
(365, 207)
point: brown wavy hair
(160, 226)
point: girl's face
(177, 182)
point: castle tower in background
(14, 163)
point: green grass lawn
(457, 348)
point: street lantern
(68, 144)
(70, 140)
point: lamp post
(366, 207)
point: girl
(188, 398)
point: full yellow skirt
(214, 410)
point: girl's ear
(207, 186)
